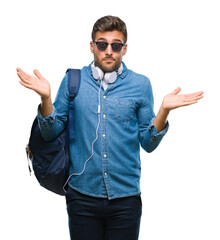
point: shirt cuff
(154, 132)
(47, 121)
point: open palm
(39, 84)
(175, 100)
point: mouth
(108, 60)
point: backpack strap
(74, 83)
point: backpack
(50, 160)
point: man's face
(108, 60)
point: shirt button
(103, 135)
(104, 116)
(104, 155)
(104, 97)
(106, 174)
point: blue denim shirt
(126, 122)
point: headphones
(109, 77)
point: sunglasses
(116, 47)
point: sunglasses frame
(112, 44)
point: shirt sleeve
(148, 136)
(52, 125)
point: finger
(23, 77)
(197, 93)
(189, 103)
(20, 71)
(194, 98)
(192, 95)
(25, 84)
(38, 74)
(176, 91)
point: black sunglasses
(116, 47)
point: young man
(113, 115)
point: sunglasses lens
(102, 45)
(116, 47)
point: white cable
(99, 110)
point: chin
(109, 67)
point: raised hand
(39, 84)
(175, 100)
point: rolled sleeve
(154, 130)
(155, 137)
(47, 121)
(48, 125)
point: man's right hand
(39, 84)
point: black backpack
(50, 160)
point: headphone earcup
(111, 77)
(97, 73)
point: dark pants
(103, 219)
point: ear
(91, 47)
(125, 49)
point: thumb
(38, 74)
(176, 91)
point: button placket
(104, 142)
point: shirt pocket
(124, 109)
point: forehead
(111, 36)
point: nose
(109, 50)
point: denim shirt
(126, 122)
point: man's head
(109, 37)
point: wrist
(45, 99)
(46, 106)
(164, 111)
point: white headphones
(109, 77)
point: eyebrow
(114, 40)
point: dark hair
(109, 23)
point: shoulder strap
(74, 83)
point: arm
(149, 137)
(173, 101)
(52, 118)
(41, 86)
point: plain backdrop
(174, 43)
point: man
(113, 115)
